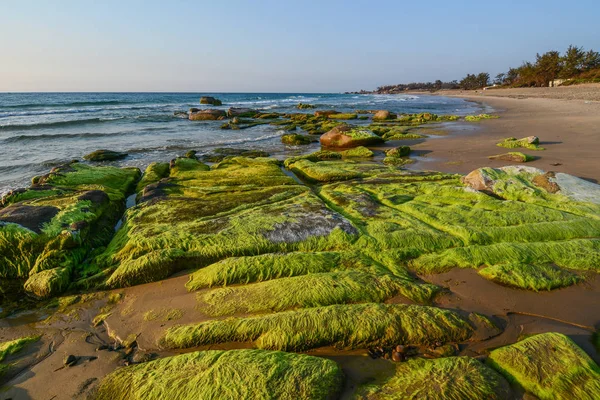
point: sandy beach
(567, 121)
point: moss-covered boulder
(48, 230)
(549, 366)
(304, 106)
(513, 157)
(207, 115)
(440, 379)
(530, 142)
(105, 155)
(325, 113)
(400, 151)
(218, 374)
(293, 139)
(219, 154)
(344, 136)
(210, 100)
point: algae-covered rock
(304, 106)
(239, 206)
(332, 171)
(530, 142)
(401, 151)
(233, 374)
(397, 161)
(445, 378)
(343, 136)
(550, 366)
(512, 157)
(345, 326)
(325, 113)
(241, 112)
(219, 154)
(9, 349)
(210, 100)
(293, 139)
(477, 118)
(207, 115)
(357, 152)
(343, 116)
(320, 155)
(47, 231)
(105, 155)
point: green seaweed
(550, 366)
(12, 347)
(514, 143)
(344, 326)
(218, 374)
(477, 118)
(530, 276)
(443, 378)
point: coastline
(569, 130)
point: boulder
(383, 115)
(400, 151)
(241, 112)
(478, 180)
(207, 115)
(512, 157)
(303, 106)
(344, 136)
(104, 155)
(210, 100)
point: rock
(293, 139)
(191, 154)
(194, 109)
(325, 113)
(342, 116)
(181, 114)
(70, 360)
(241, 112)
(207, 115)
(383, 115)
(532, 139)
(397, 357)
(31, 217)
(357, 152)
(512, 157)
(104, 155)
(400, 151)
(210, 100)
(478, 180)
(400, 348)
(303, 106)
(345, 136)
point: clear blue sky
(275, 46)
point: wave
(72, 104)
(56, 124)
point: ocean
(41, 130)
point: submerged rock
(343, 136)
(241, 112)
(105, 155)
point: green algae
(293, 139)
(477, 118)
(343, 326)
(312, 290)
(514, 156)
(239, 207)
(530, 276)
(550, 366)
(320, 155)
(357, 152)
(76, 212)
(153, 173)
(514, 143)
(577, 254)
(343, 116)
(397, 161)
(400, 151)
(444, 378)
(10, 348)
(332, 171)
(234, 374)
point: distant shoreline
(567, 124)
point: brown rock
(345, 136)
(383, 115)
(207, 115)
(544, 182)
(325, 113)
(477, 180)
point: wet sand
(569, 130)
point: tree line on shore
(575, 65)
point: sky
(276, 46)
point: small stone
(400, 348)
(397, 357)
(70, 360)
